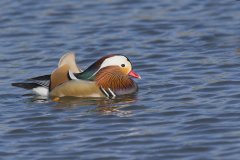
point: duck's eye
(123, 65)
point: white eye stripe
(115, 60)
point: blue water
(188, 104)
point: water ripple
(187, 53)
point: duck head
(112, 72)
(121, 64)
(114, 64)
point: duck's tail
(39, 85)
(26, 85)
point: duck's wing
(69, 59)
(59, 76)
(67, 64)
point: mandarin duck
(110, 76)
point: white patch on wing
(41, 91)
(72, 76)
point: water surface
(187, 52)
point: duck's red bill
(134, 74)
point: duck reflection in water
(101, 105)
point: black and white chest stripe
(108, 93)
